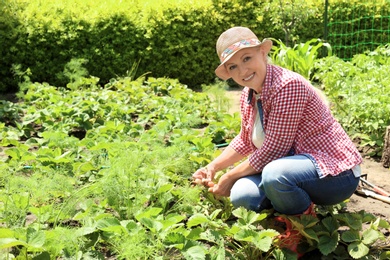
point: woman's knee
(274, 174)
(245, 193)
(288, 171)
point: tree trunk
(386, 149)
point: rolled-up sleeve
(240, 146)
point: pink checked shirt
(295, 118)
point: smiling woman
(248, 67)
(244, 60)
(291, 152)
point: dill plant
(135, 175)
(145, 176)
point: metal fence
(356, 28)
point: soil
(371, 167)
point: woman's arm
(225, 183)
(227, 158)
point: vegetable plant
(95, 172)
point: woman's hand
(206, 175)
(223, 187)
(203, 176)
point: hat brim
(221, 70)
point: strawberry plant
(357, 91)
(105, 172)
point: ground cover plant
(358, 89)
(91, 171)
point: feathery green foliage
(96, 171)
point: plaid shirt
(295, 118)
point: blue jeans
(289, 185)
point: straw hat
(233, 40)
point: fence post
(386, 149)
(326, 20)
(324, 51)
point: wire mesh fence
(357, 26)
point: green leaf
(6, 233)
(211, 236)
(195, 233)
(61, 156)
(268, 233)
(248, 216)
(385, 255)
(383, 223)
(13, 152)
(245, 235)
(215, 214)
(151, 212)
(353, 221)
(107, 222)
(172, 220)
(132, 225)
(358, 250)
(46, 256)
(280, 254)
(304, 221)
(264, 239)
(309, 233)
(304, 225)
(84, 231)
(370, 236)
(350, 236)
(264, 244)
(218, 252)
(195, 253)
(175, 239)
(84, 167)
(165, 188)
(35, 238)
(328, 243)
(330, 224)
(235, 229)
(11, 242)
(153, 225)
(110, 225)
(197, 219)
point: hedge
(167, 38)
(176, 40)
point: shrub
(173, 40)
(168, 38)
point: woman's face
(248, 67)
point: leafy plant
(300, 58)
(105, 171)
(352, 86)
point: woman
(292, 152)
